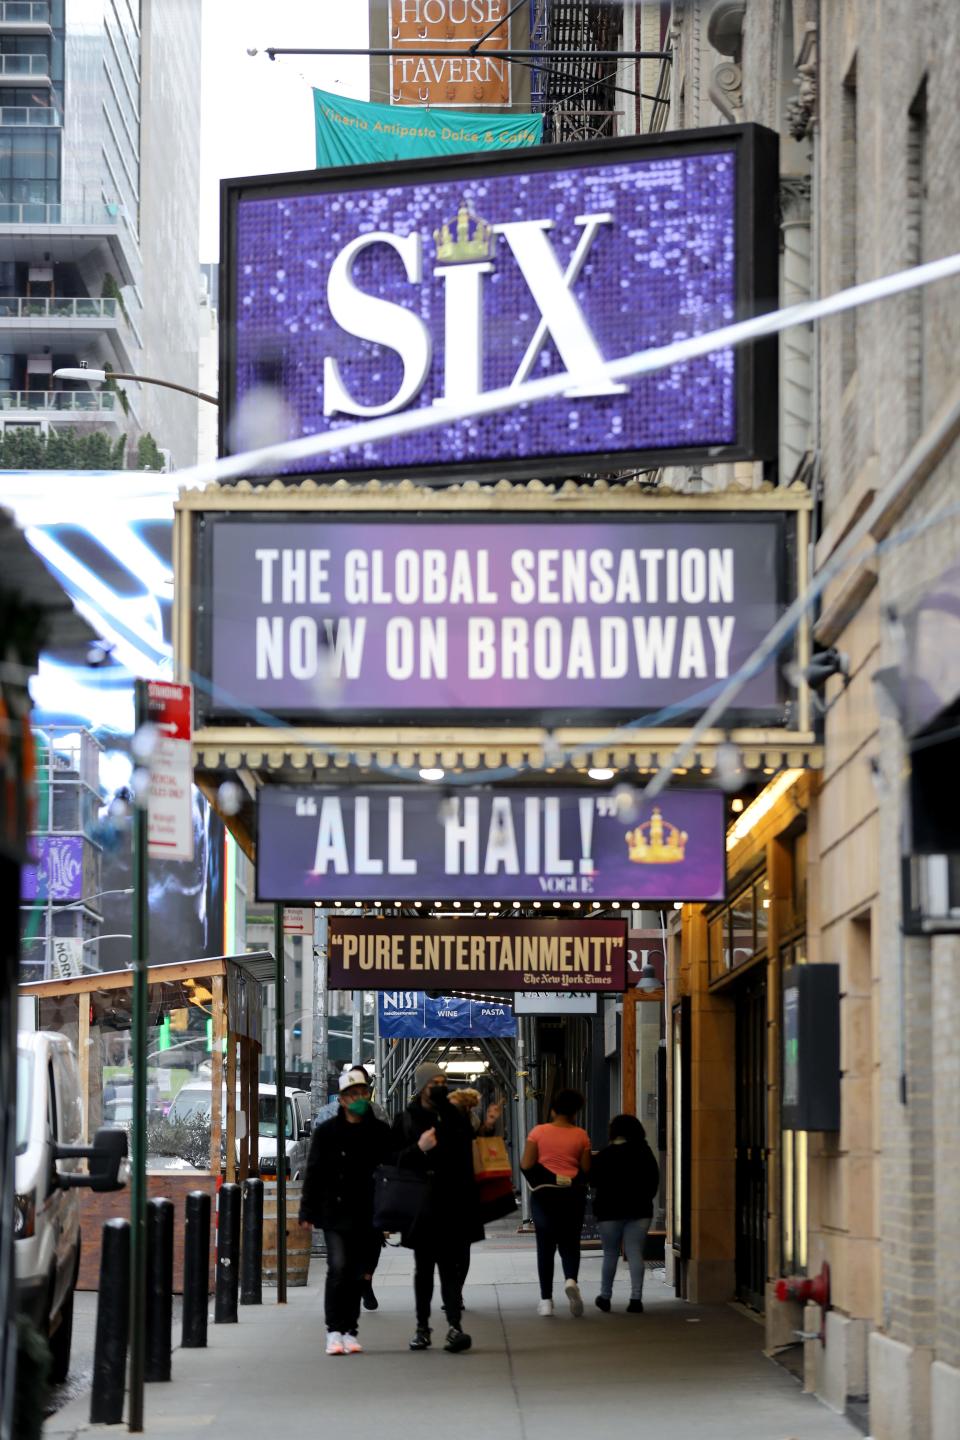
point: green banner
(358, 132)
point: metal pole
(321, 1027)
(138, 1171)
(521, 1120)
(281, 1077)
(356, 1028)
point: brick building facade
(864, 100)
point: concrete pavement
(683, 1371)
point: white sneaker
(335, 1343)
(351, 1345)
(545, 1307)
(573, 1295)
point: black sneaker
(370, 1301)
(635, 1307)
(602, 1303)
(457, 1340)
(421, 1341)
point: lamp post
(99, 377)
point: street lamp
(99, 377)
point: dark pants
(347, 1257)
(371, 1258)
(451, 1257)
(558, 1221)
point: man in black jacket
(435, 1139)
(338, 1197)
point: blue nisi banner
(371, 290)
(415, 1015)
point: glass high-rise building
(99, 182)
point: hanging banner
(373, 290)
(324, 844)
(415, 1015)
(541, 1002)
(476, 954)
(360, 132)
(58, 871)
(367, 617)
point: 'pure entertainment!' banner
(617, 615)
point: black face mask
(437, 1094)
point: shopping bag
(490, 1158)
(398, 1197)
(497, 1198)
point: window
(743, 941)
(848, 235)
(29, 167)
(914, 216)
(719, 944)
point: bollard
(113, 1325)
(228, 1256)
(251, 1278)
(196, 1270)
(159, 1289)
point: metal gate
(751, 1153)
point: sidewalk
(690, 1372)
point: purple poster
(58, 874)
(624, 614)
(360, 297)
(322, 844)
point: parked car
(191, 1110)
(47, 1213)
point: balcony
(77, 410)
(44, 115)
(28, 322)
(28, 17)
(14, 69)
(70, 232)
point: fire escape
(582, 98)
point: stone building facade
(864, 101)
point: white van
(193, 1103)
(46, 1225)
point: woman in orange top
(555, 1161)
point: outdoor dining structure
(204, 1110)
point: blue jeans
(631, 1236)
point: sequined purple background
(665, 269)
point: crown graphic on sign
(467, 238)
(656, 842)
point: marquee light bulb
(378, 902)
(576, 904)
(536, 904)
(496, 904)
(476, 904)
(616, 904)
(635, 905)
(431, 772)
(596, 904)
(337, 903)
(601, 772)
(556, 904)
(456, 904)
(418, 903)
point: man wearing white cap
(338, 1197)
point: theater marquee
(614, 616)
(374, 290)
(469, 954)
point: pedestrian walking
(555, 1162)
(469, 1101)
(434, 1139)
(338, 1198)
(625, 1178)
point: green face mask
(359, 1107)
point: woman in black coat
(435, 1139)
(338, 1199)
(625, 1178)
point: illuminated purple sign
(58, 874)
(369, 291)
(624, 614)
(317, 843)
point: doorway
(751, 1151)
